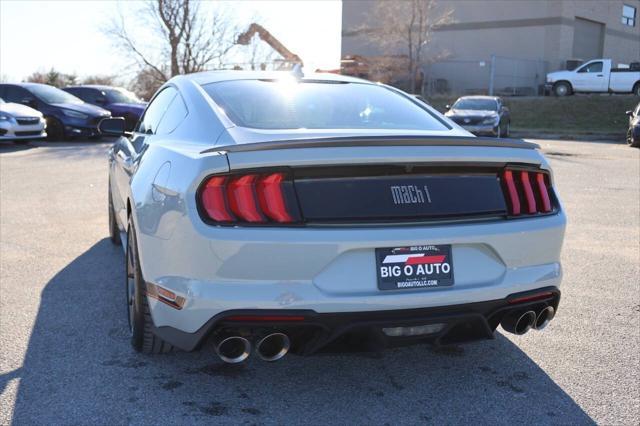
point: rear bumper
(313, 332)
(333, 270)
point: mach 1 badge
(414, 267)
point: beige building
(527, 37)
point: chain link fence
(496, 75)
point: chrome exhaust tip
(544, 317)
(233, 349)
(273, 346)
(519, 322)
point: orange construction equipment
(289, 59)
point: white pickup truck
(595, 76)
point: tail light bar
(249, 198)
(527, 192)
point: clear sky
(67, 35)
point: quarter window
(629, 15)
(176, 112)
(156, 109)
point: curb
(591, 137)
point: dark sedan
(66, 115)
(481, 115)
(633, 134)
(120, 102)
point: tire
(114, 231)
(562, 89)
(636, 89)
(55, 129)
(632, 143)
(140, 322)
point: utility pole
(492, 74)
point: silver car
(278, 212)
(20, 123)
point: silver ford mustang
(270, 213)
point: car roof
(25, 85)
(230, 75)
(93, 86)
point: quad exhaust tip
(544, 317)
(233, 349)
(273, 347)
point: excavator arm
(267, 37)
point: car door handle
(599, 75)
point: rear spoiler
(354, 141)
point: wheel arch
(567, 82)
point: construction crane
(289, 59)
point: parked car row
(72, 112)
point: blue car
(66, 115)
(120, 102)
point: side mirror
(101, 101)
(629, 113)
(447, 107)
(112, 126)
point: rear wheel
(630, 141)
(140, 323)
(562, 89)
(55, 129)
(636, 89)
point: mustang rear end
(340, 242)
(364, 247)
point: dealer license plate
(414, 267)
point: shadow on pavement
(6, 147)
(79, 368)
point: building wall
(527, 29)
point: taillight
(526, 191)
(253, 198)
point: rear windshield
(294, 104)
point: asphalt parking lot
(65, 355)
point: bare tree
(406, 26)
(52, 77)
(145, 83)
(102, 80)
(189, 40)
